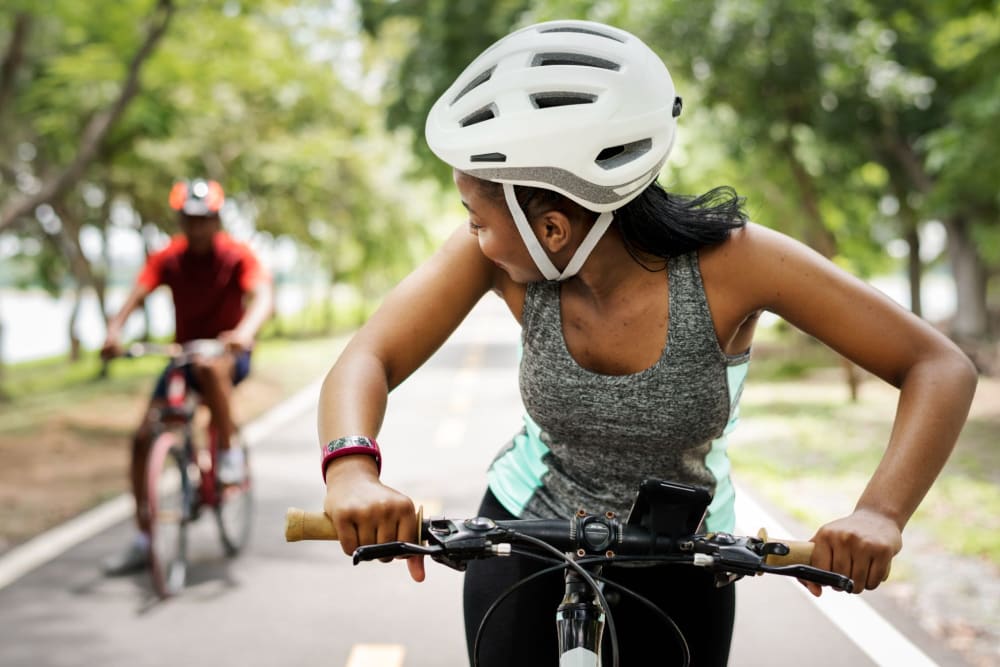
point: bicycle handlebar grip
(799, 552)
(302, 525)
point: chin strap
(538, 253)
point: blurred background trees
(865, 128)
(860, 127)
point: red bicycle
(181, 477)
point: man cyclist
(221, 291)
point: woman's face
(491, 222)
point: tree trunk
(914, 268)
(3, 394)
(14, 57)
(971, 321)
(74, 340)
(819, 238)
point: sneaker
(231, 465)
(133, 559)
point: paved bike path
(304, 603)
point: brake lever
(392, 550)
(814, 574)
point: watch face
(350, 441)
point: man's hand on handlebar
(365, 511)
(112, 347)
(237, 341)
(860, 546)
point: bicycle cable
(685, 649)
(561, 565)
(480, 631)
(567, 561)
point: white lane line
(376, 655)
(859, 622)
(26, 557)
(41, 549)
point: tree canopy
(846, 124)
(849, 125)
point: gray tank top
(589, 439)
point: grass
(810, 450)
(64, 433)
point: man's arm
(261, 307)
(112, 341)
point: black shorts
(240, 371)
(522, 630)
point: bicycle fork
(580, 622)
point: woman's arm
(936, 382)
(416, 317)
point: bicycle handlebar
(454, 543)
(202, 347)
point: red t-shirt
(209, 290)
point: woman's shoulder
(755, 261)
(751, 248)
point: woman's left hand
(860, 546)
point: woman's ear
(554, 231)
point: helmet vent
(488, 157)
(478, 81)
(561, 99)
(480, 116)
(585, 31)
(573, 59)
(616, 156)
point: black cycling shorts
(522, 630)
(240, 371)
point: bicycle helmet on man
(578, 107)
(198, 197)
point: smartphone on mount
(669, 508)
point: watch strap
(348, 445)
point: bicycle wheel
(168, 489)
(234, 510)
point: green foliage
(811, 451)
(441, 38)
(53, 377)
(270, 97)
(815, 111)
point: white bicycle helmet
(578, 107)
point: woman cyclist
(637, 309)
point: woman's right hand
(365, 511)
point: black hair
(664, 225)
(655, 224)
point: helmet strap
(538, 254)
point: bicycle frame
(579, 622)
(182, 404)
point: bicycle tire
(234, 511)
(168, 493)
